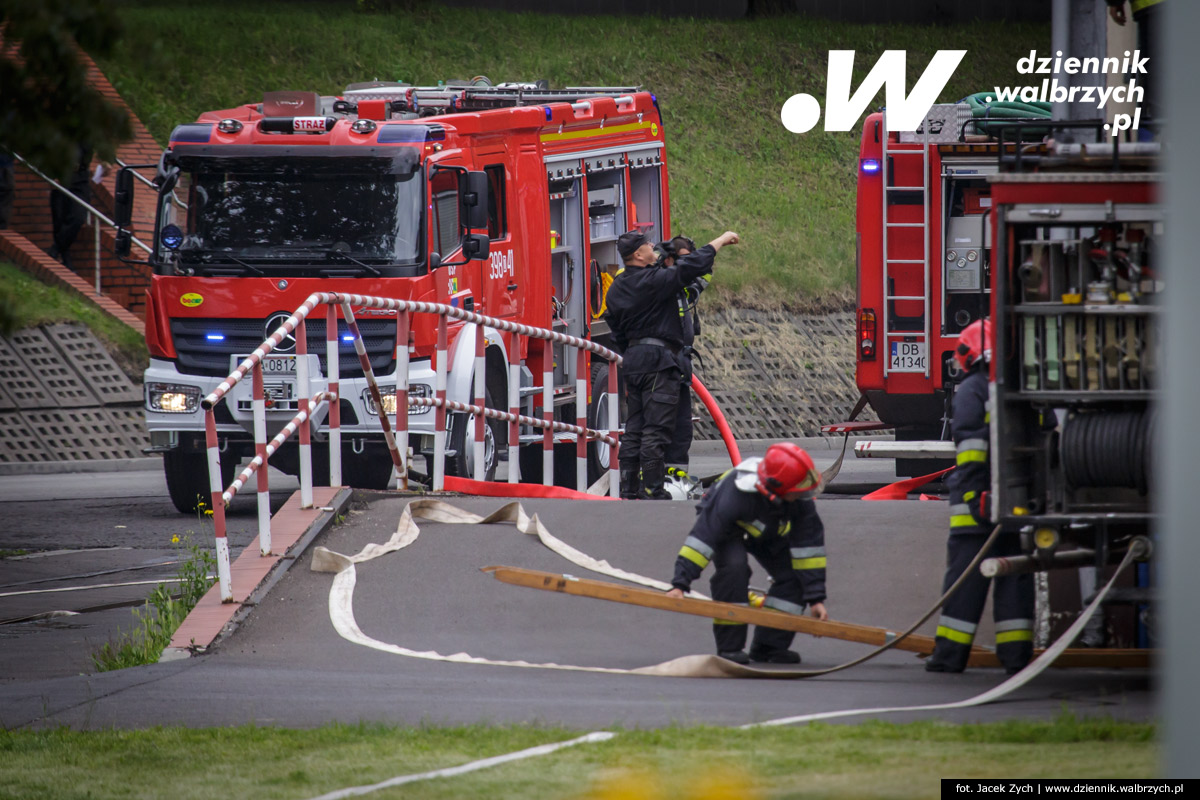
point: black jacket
(733, 507)
(643, 302)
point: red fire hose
(715, 411)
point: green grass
(720, 84)
(164, 612)
(874, 759)
(29, 302)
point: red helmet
(974, 343)
(786, 472)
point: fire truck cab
(501, 199)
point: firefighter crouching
(1012, 598)
(764, 507)
(643, 313)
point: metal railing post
(95, 223)
(305, 388)
(614, 430)
(480, 422)
(514, 408)
(333, 375)
(548, 413)
(218, 505)
(439, 429)
(260, 451)
(581, 411)
(402, 332)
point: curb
(63, 467)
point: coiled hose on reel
(1108, 449)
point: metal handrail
(310, 402)
(88, 206)
(174, 198)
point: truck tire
(461, 439)
(187, 478)
(598, 452)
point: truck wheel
(599, 452)
(187, 478)
(461, 439)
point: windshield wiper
(354, 260)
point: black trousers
(676, 454)
(67, 216)
(731, 583)
(651, 404)
(1012, 606)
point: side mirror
(123, 199)
(167, 185)
(123, 243)
(474, 190)
(475, 246)
(435, 260)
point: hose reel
(1108, 449)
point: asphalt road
(287, 665)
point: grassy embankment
(872, 760)
(721, 85)
(28, 302)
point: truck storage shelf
(604, 239)
(1118, 309)
(1083, 395)
(566, 248)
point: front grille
(200, 352)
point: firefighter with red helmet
(969, 483)
(762, 507)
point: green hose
(982, 110)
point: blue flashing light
(870, 165)
(549, 113)
(172, 237)
(215, 337)
(349, 337)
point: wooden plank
(846, 631)
(649, 598)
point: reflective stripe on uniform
(961, 516)
(969, 496)
(1014, 630)
(785, 527)
(699, 546)
(972, 451)
(754, 528)
(956, 630)
(699, 559)
(783, 605)
(1137, 5)
(808, 558)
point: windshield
(281, 211)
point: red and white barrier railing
(397, 442)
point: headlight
(171, 398)
(388, 395)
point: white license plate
(907, 357)
(273, 364)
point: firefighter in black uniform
(1012, 599)
(763, 507)
(676, 454)
(643, 312)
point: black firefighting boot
(631, 481)
(653, 475)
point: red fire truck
(923, 243)
(502, 199)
